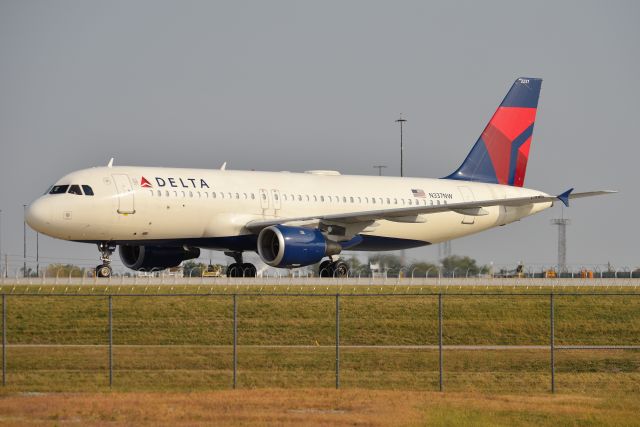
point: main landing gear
(106, 250)
(332, 268)
(239, 268)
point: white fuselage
(210, 208)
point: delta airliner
(160, 217)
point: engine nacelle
(287, 247)
(148, 258)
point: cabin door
(125, 194)
(467, 196)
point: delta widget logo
(144, 183)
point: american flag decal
(418, 193)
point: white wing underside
(415, 213)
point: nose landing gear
(106, 250)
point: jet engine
(287, 247)
(147, 258)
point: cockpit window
(75, 189)
(88, 191)
(59, 189)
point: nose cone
(38, 215)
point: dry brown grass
(311, 407)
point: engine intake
(147, 258)
(287, 247)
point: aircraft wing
(414, 213)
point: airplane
(160, 217)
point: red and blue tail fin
(501, 153)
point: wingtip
(564, 197)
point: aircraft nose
(38, 215)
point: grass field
(314, 407)
(175, 344)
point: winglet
(564, 197)
(110, 163)
(224, 166)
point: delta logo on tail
(144, 183)
(501, 153)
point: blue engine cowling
(288, 247)
(149, 258)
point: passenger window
(359, 200)
(253, 196)
(299, 198)
(373, 200)
(344, 199)
(395, 201)
(167, 193)
(237, 195)
(88, 191)
(184, 194)
(159, 193)
(221, 195)
(264, 196)
(315, 198)
(275, 196)
(351, 199)
(284, 197)
(245, 196)
(388, 201)
(75, 189)
(438, 202)
(308, 199)
(322, 198)
(431, 202)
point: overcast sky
(300, 85)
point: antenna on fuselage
(110, 163)
(223, 167)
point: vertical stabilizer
(500, 155)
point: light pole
(401, 121)
(37, 254)
(379, 167)
(24, 240)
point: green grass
(183, 343)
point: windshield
(59, 189)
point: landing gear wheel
(325, 269)
(249, 270)
(340, 269)
(103, 270)
(234, 270)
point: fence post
(337, 341)
(552, 345)
(440, 338)
(110, 341)
(4, 340)
(235, 340)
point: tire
(325, 269)
(103, 270)
(234, 270)
(249, 270)
(340, 269)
